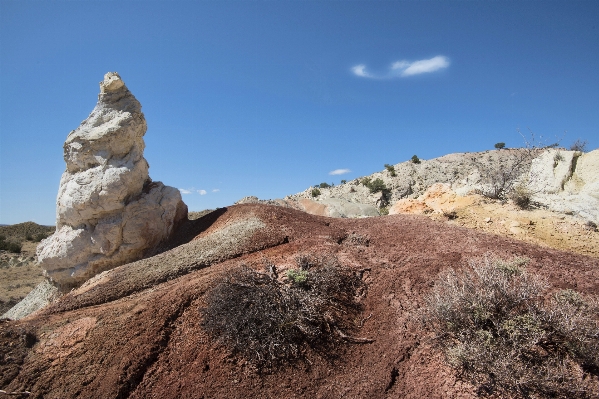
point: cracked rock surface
(109, 212)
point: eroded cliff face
(559, 180)
(109, 212)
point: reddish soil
(134, 332)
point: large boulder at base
(109, 212)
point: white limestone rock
(109, 212)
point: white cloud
(360, 70)
(339, 172)
(184, 191)
(425, 66)
(202, 192)
(216, 190)
(405, 68)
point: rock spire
(109, 212)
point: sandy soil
(18, 279)
(134, 332)
(534, 225)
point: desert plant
(324, 185)
(271, 323)
(557, 158)
(500, 174)
(415, 159)
(39, 237)
(343, 181)
(9, 246)
(377, 185)
(390, 169)
(315, 192)
(579, 145)
(521, 196)
(493, 324)
(297, 277)
(383, 211)
(499, 146)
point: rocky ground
(19, 273)
(504, 218)
(134, 331)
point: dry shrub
(271, 323)
(494, 325)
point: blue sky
(267, 98)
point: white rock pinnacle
(109, 212)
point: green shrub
(315, 192)
(298, 277)
(271, 323)
(343, 181)
(377, 185)
(496, 328)
(383, 211)
(39, 237)
(499, 146)
(29, 237)
(9, 246)
(390, 169)
(324, 185)
(415, 159)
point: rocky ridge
(559, 180)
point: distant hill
(17, 233)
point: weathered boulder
(109, 212)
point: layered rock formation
(109, 212)
(560, 180)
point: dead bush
(271, 323)
(495, 327)
(521, 196)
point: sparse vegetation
(9, 246)
(500, 175)
(343, 181)
(499, 146)
(315, 192)
(494, 325)
(297, 277)
(324, 185)
(521, 196)
(390, 169)
(383, 210)
(579, 145)
(557, 158)
(415, 159)
(375, 185)
(271, 323)
(17, 233)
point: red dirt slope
(134, 332)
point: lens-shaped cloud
(339, 172)
(405, 68)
